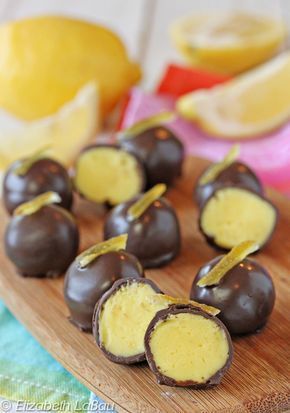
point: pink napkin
(269, 156)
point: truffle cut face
(108, 174)
(187, 348)
(124, 318)
(233, 215)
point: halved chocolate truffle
(42, 239)
(27, 178)
(86, 282)
(228, 172)
(160, 150)
(153, 231)
(108, 174)
(233, 215)
(122, 317)
(187, 347)
(243, 291)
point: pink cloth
(269, 156)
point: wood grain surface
(258, 380)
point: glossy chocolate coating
(83, 287)
(42, 244)
(44, 175)
(161, 152)
(154, 237)
(237, 174)
(169, 381)
(245, 295)
(98, 308)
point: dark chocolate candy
(83, 287)
(163, 316)
(42, 176)
(161, 152)
(44, 243)
(96, 319)
(245, 295)
(154, 237)
(236, 174)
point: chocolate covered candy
(240, 287)
(228, 172)
(108, 174)
(92, 273)
(123, 315)
(41, 239)
(185, 346)
(159, 149)
(152, 227)
(233, 215)
(30, 177)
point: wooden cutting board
(258, 380)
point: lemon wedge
(45, 60)
(252, 104)
(64, 133)
(228, 43)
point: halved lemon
(250, 105)
(228, 43)
(64, 133)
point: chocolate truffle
(29, 177)
(245, 295)
(41, 239)
(185, 346)
(153, 232)
(233, 215)
(161, 152)
(236, 174)
(122, 317)
(108, 174)
(84, 285)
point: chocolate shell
(161, 152)
(122, 315)
(43, 175)
(245, 295)
(173, 350)
(44, 243)
(83, 287)
(154, 238)
(236, 174)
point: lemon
(227, 43)
(64, 133)
(249, 105)
(44, 61)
